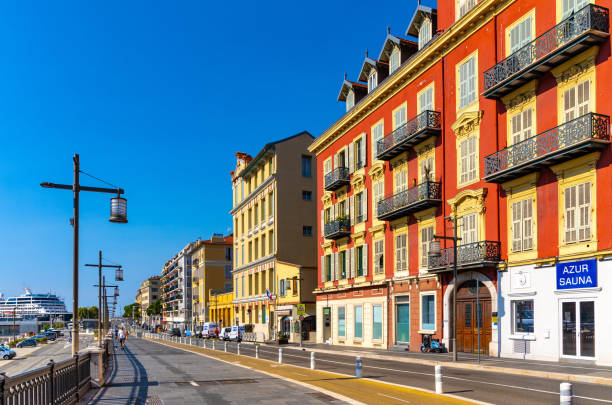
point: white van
(209, 330)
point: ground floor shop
(256, 315)
(356, 317)
(291, 322)
(557, 312)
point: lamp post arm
(83, 188)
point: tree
(155, 308)
(93, 312)
(83, 313)
(132, 310)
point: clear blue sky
(156, 97)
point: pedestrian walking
(122, 336)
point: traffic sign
(301, 317)
(301, 309)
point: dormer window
(465, 6)
(394, 60)
(350, 100)
(372, 80)
(425, 33)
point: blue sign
(582, 274)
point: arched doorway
(470, 316)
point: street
(151, 373)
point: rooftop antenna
(344, 75)
(388, 29)
(366, 52)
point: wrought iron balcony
(470, 255)
(419, 128)
(581, 30)
(577, 137)
(424, 195)
(337, 178)
(338, 228)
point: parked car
(7, 353)
(236, 333)
(27, 342)
(57, 331)
(224, 333)
(50, 335)
(209, 330)
(175, 332)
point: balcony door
(471, 314)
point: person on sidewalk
(122, 338)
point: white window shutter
(364, 147)
(334, 258)
(347, 263)
(323, 268)
(364, 204)
(335, 161)
(322, 230)
(365, 263)
(352, 209)
(346, 209)
(351, 157)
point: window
(401, 180)
(578, 213)
(522, 316)
(467, 83)
(469, 230)
(576, 101)
(394, 60)
(307, 195)
(428, 312)
(282, 287)
(572, 6)
(307, 230)
(256, 215)
(228, 271)
(350, 100)
(425, 33)
(358, 321)
(379, 194)
(377, 324)
(399, 117)
(271, 204)
(379, 249)
(377, 135)
(427, 169)
(427, 233)
(522, 225)
(359, 154)
(236, 285)
(400, 253)
(467, 151)
(359, 208)
(327, 166)
(328, 275)
(465, 6)
(426, 100)
(271, 243)
(341, 322)
(243, 286)
(242, 254)
(306, 166)
(520, 35)
(359, 263)
(263, 245)
(342, 263)
(521, 126)
(372, 80)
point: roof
(390, 42)
(417, 19)
(368, 64)
(348, 85)
(266, 148)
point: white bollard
(213, 345)
(312, 360)
(280, 355)
(257, 351)
(438, 379)
(190, 342)
(225, 347)
(238, 349)
(565, 394)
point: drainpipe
(444, 176)
(498, 205)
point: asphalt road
(484, 386)
(150, 373)
(58, 350)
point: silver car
(7, 353)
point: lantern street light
(118, 215)
(117, 278)
(434, 252)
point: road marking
(396, 398)
(195, 384)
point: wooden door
(467, 312)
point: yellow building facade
(221, 308)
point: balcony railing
(414, 131)
(337, 178)
(577, 137)
(477, 254)
(588, 26)
(424, 195)
(337, 228)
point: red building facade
(486, 122)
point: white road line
(396, 398)
(195, 384)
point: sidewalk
(576, 372)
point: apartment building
(487, 122)
(221, 305)
(274, 220)
(176, 290)
(148, 293)
(211, 269)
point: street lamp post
(118, 215)
(14, 314)
(434, 251)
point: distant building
(148, 293)
(211, 269)
(176, 290)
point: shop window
(341, 322)
(358, 322)
(428, 312)
(377, 319)
(522, 315)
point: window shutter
(527, 224)
(364, 204)
(335, 161)
(516, 227)
(584, 204)
(323, 268)
(365, 263)
(364, 148)
(335, 266)
(351, 157)
(352, 209)
(570, 214)
(322, 230)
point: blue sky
(156, 97)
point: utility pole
(14, 314)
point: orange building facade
(489, 118)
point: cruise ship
(32, 306)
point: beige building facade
(148, 293)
